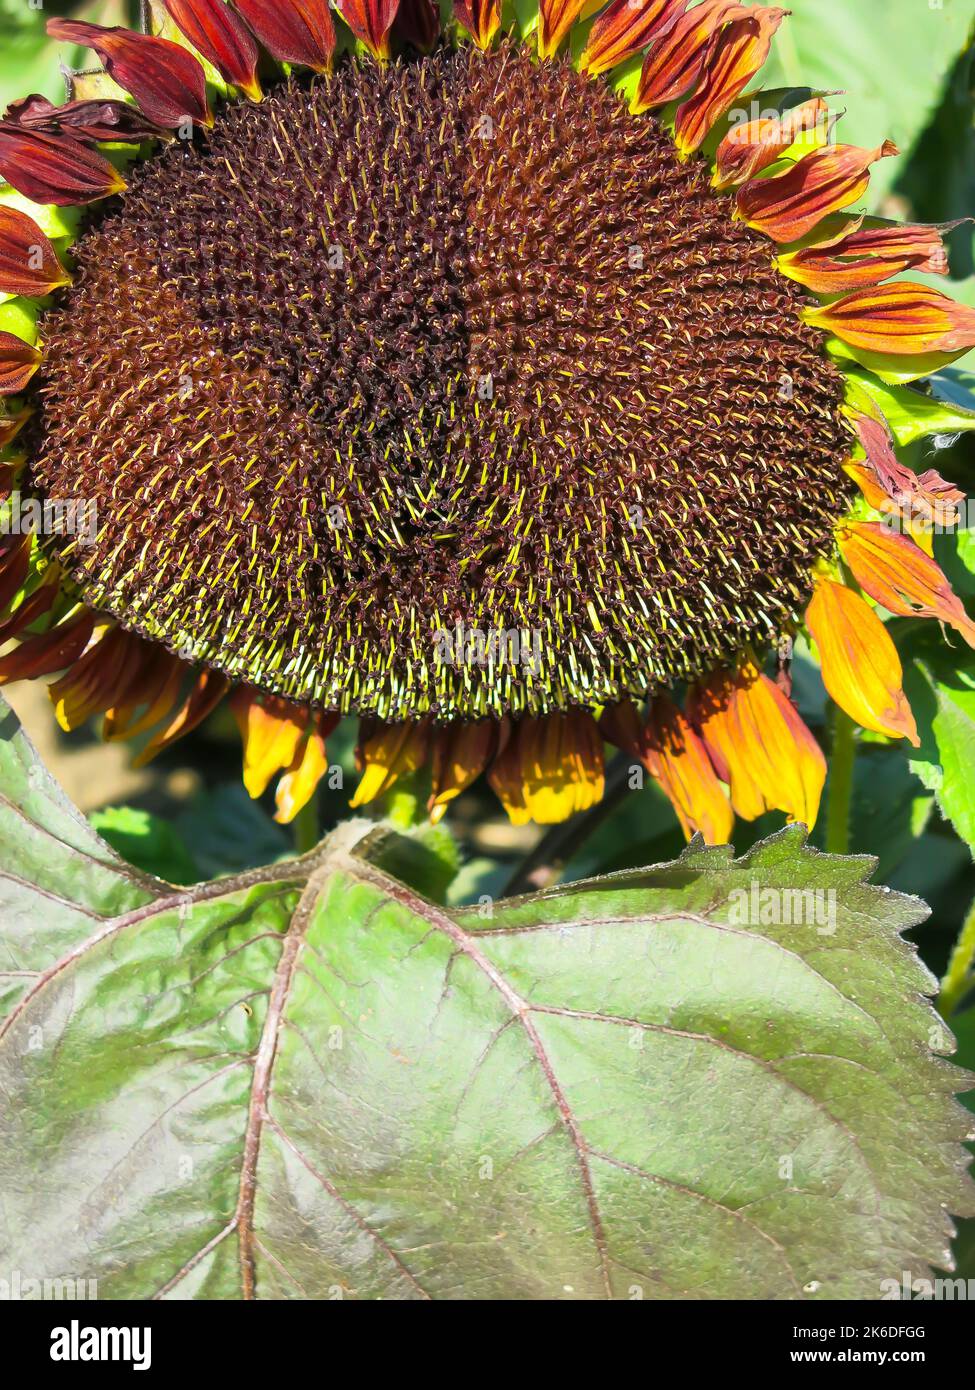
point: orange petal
(216, 31)
(390, 752)
(92, 683)
(370, 21)
(678, 759)
(867, 257)
(299, 784)
(676, 59)
(736, 53)
(481, 19)
(900, 577)
(299, 31)
(272, 731)
(752, 146)
(461, 752)
(18, 363)
(790, 205)
(165, 79)
(208, 690)
(860, 666)
(624, 28)
(29, 264)
(54, 168)
(551, 768)
(51, 651)
(898, 318)
(759, 744)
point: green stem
(959, 977)
(306, 829)
(840, 784)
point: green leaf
(147, 841)
(889, 66)
(308, 1080)
(944, 708)
(912, 414)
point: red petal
(222, 37)
(54, 168)
(736, 53)
(51, 651)
(370, 21)
(792, 204)
(866, 257)
(10, 427)
(677, 58)
(293, 31)
(481, 19)
(14, 564)
(624, 28)
(166, 80)
(418, 23)
(18, 363)
(752, 146)
(29, 264)
(898, 318)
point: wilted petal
(34, 606)
(736, 53)
(759, 744)
(272, 730)
(550, 768)
(896, 574)
(18, 363)
(867, 257)
(677, 57)
(166, 80)
(370, 21)
(752, 146)
(898, 318)
(208, 690)
(91, 685)
(217, 32)
(29, 264)
(860, 666)
(152, 685)
(55, 168)
(92, 120)
(624, 28)
(14, 564)
(930, 494)
(481, 19)
(461, 752)
(790, 205)
(10, 427)
(299, 31)
(386, 753)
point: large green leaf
(309, 1080)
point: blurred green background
(903, 69)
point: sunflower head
(489, 381)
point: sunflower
(514, 381)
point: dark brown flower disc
(457, 341)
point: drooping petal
(29, 264)
(624, 28)
(18, 363)
(790, 205)
(208, 690)
(10, 427)
(152, 685)
(461, 752)
(300, 782)
(928, 494)
(898, 318)
(299, 31)
(867, 257)
(217, 32)
(676, 59)
(752, 146)
(91, 684)
(272, 730)
(166, 80)
(50, 651)
(759, 744)
(860, 666)
(481, 19)
(418, 23)
(386, 753)
(551, 768)
(34, 606)
(736, 53)
(91, 120)
(896, 574)
(370, 21)
(55, 168)
(15, 553)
